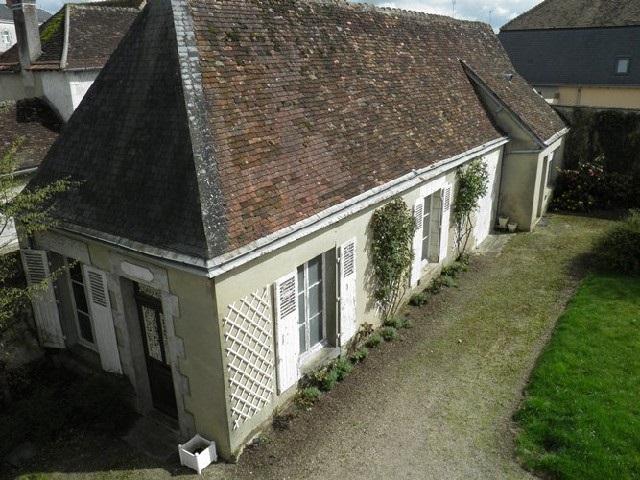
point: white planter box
(197, 453)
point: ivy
(392, 229)
(472, 186)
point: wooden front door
(154, 338)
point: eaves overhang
(228, 261)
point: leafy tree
(34, 209)
(392, 228)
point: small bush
(618, 249)
(407, 324)
(327, 379)
(307, 397)
(418, 299)
(359, 355)
(395, 322)
(448, 281)
(455, 268)
(388, 333)
(435, 286)
(373, 340)
(342, 367)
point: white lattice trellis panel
(249, 346)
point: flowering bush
(589, 187)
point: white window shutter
(45, 306)
(416, 269)
(286, 331)
(445, 194)
(347, 257)
(95, 282)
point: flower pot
(512, 226)
(502, 222)
(197, 453)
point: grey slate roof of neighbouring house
(95, 29)
(576, 42)
(217, 123)
(552, 14)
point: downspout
(579, 95)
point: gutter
(230, 260)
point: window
(5, 37)
(81, 308)
(426, 227)
(310, 293)
(622, 66)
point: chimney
(25, 20)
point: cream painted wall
(592, 96)
(65, 90)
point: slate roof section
(574, 57)
(35, 123)
(95, 29)
(217, 123)
(553, 14)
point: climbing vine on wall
(472, 186)
(392, 229)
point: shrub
(307, 397)
(454, 268)
(418, 299)
(325, 379)
(448, 281)
(373, 340)
(395, 322)
(342, 367)
(388, 333)
(618, 249)
(435, 286)
(359, 355)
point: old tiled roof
(36, 126)
(95, 29)
(271, 113)
(577, 14)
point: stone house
(229, 158)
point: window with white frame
(80, 305)
(426, 227)
(622, 65)
(310, 291)
(5, 37)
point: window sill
(316, 358)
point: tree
(392, 228)
(34, 208)
(472, 186)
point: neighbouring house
(8, 29)
(59, 61)
(229, 158)
(579, 52)
(35, 126)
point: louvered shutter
(45, 306)
(286, 331)
(347, 290)
(416, 269)
(445, 195)
(95, 282)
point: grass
(581, 416)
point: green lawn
(581, 416)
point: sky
(494, 12)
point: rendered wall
(590, 96)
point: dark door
(154, 337)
